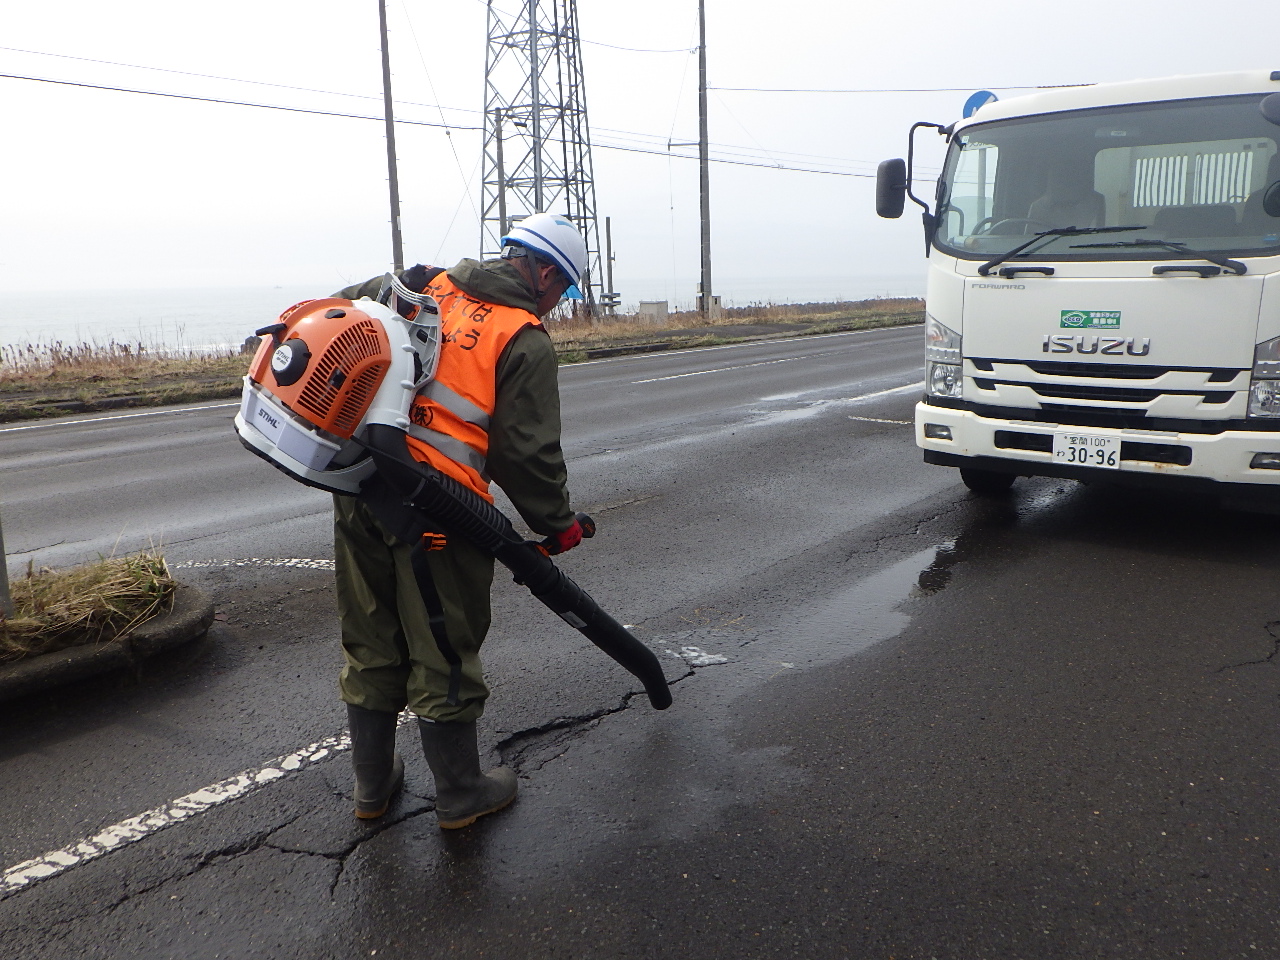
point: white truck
(1103, 296)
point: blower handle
(460, 510)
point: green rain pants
(412, 620)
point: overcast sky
(118, 190)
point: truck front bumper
(1025, 448)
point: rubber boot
(463, 793)
(379, 769)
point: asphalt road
(908, 722)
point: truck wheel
(987, 483)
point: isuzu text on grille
(1081, 343)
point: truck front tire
(987, 483)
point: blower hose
(463, 512)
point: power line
(417, 123)
(214, 76)
(359, 96)
(660, 147)
(736, 163)
(1055, 86)
(611, 46)
(237, 103)
(185, 73)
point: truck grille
(1084, 394)
(1112, 394)
(1110, 371)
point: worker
(413, 604)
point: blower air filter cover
(289, 362)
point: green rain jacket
(525, 456)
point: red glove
(564, 540)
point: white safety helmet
(556, 239)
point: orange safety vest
(449, 417)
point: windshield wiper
(1235, 266)
(985, 269)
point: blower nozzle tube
(462, 512)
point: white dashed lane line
(294, 562)
(698, 373)
(118, 416)
(23, 875)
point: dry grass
(57, 366)
(96, 603)
(41, 380)
(80, 361)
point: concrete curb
(188, 619)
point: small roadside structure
(653, 311)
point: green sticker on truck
(1090, 319)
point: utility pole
(503, 224)
(609, 298)
(393, 180)
(704, 288)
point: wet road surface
(908, 722)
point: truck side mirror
(1269, 107)
(1271, 200)
(891, 188)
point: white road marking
(23, 875)
(881, 420)
(698, 373)
(878, 393)
(256, 562)
(119, 416)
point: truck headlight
(1264, 398)
(945, 380)
(1264, 388)
(942, 356)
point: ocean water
(213, 319)
(190, 319)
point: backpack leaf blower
(326, 401)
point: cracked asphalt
(908, 722)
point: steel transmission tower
(537, 145)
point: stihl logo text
(269, 418)
(1112, 346)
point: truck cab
(1103, 294)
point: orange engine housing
(336, 386)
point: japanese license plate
(1086, 450)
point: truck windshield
(1191, 172)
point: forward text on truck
(1103, 295)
